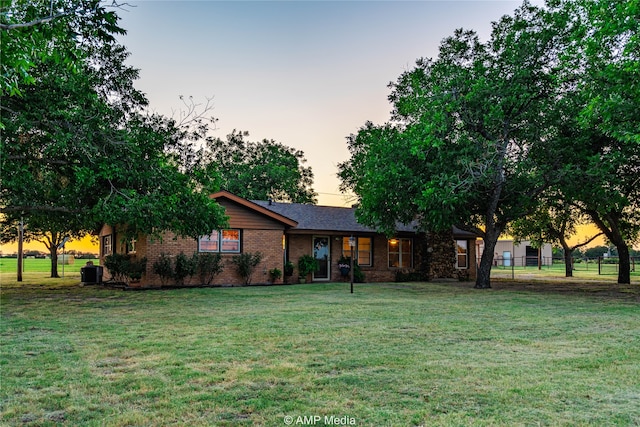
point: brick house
(285, 231)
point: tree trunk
(610, 226)
(568, 258)
(53, 251)
(624, 271)
(20, 251)
(483, 280)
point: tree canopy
(599, 76)
(480, 135)
(259, 170)
(79, 148)
(466, 132)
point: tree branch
(12, 209)
(587, 242)
(9, 27)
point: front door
(321, 252)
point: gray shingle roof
(327, 218)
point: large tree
(600, 75)
(467, 133)
(555, 220)
(259, 170)
(78, 148)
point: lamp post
(20, 249)
(352, 244)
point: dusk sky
(306, 74)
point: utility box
(91, 274)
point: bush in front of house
(306, 265)
(205, 265)
(275, 274)
(124, 269)
(209, 266)
(410, 275)
(163, 268)
(246, 264)
(184, 267)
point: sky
(303, 73)
(306, 74)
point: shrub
(307, 265)
(209, 266)
(275, 274)
(184, 267)
(162, 267)
(124, 269)
(358, 275)
(288, 271)
(246, 264)
(409, 275)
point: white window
(107, 246)
(462, 255)
(131, 246)
(225, 241)
(362, 250)
(400, 253)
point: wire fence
(595, 266)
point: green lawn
(397, 354)
(36, 271)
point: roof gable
(288, 222)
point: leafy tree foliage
(466, 135)
(31, 31)
(79, 150)
(600, 70)
(259, 170)
(597, 251)
(554, 221)
(488, 133)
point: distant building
(508, 253)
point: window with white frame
(362, 250)
(224, 241)
(107, 245)
(462, 254)
(400, 253)
(131, 246)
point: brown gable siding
(241, 217)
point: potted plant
(288, 271)
(275, 274)
(344, 265)
(306, 265)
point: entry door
(321, 252)
(506, 256)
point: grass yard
(397, 354)
(35, 272)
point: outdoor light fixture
(352, 245)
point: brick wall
(435, 254)
(268, 242)
(379, 272)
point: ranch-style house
(285, 231)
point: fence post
(599, 268)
